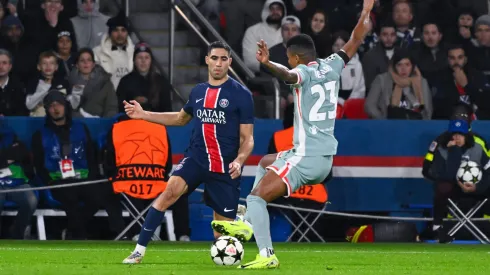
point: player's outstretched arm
(278, 70)
(135, 111)
(360, 31)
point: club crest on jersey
(224, 103)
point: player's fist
(368, 5)
(262, 54)
(235, 169)
(134, 109)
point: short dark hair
(455, 47)
(432, 23)
(302, 44)
(387, 23)
(219, 45)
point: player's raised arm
(134, 110)
(360, 31)
(276, 69)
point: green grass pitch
(97, 258)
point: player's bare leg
(269, 188)
(175, 188)
(241, 227)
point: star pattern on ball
(237, 256)
(221, 254)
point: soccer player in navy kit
(221, 141)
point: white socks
(140, 249)
(266, 252)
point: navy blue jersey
(218, 112)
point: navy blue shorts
(221, 193)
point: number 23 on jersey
(327, 89)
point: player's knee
(267, 160)
(261, 191)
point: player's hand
(262, 54)
(235, 169)
(467, 187)
(134, 109)
(368, 5)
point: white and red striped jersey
(218, 112)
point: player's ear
(230, 60)
(206, 59)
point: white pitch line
(206, 250)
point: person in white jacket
(352, 79)
(116, 50)
(269, 30)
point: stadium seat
(465, 220)
(354, 109)
(307, 220)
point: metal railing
(237, 61)
(203, 21)
(125, 7)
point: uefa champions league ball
(469, 171)
(227, 250)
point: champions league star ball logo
(224, 103)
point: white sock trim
(141, 249)
(266, 252)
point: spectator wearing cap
(431, 53)
(23, 53)
(269, 30)
(47, 79)
(406, 32)
(290, 26)
(89, 24)
(352, 78)
(377, 60)
(65, 50)
(442, 163)
(116, 50)
(318, 29)
(92, 87)
(64, 153)
(460, 83)
(400, 93)
(12, 92)
(43, 29)
(479, 55)
(144, 84)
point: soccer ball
(469, 171)
(227, 250)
